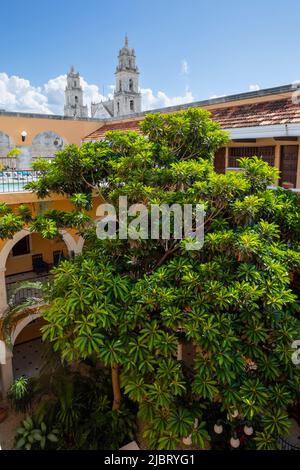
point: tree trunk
(116, 387)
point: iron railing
(10, 163)
(12, 181)
(16, 294)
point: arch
(6, 144)
(46, 143)
(71, 244)
(49, 138)
(21, 325)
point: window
(267, 154)
(75, 84)
(118, 106)
(120, 85)
(131, 105)
(130, 84)
(76, 99)
(22, 247)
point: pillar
(298, 168)
(24, 159)
(179, 352)
(277, 160)
(226, 157)
(6, 369)
(3, 294)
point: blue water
(16, 186)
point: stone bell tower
(127, 97)
(74, 106)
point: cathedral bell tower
(127, 97)
(74, 106)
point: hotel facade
(265, 123)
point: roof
(99, 134)
(265, 113)
(258, 114)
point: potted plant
(21, 394)
(287, 185)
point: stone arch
(46, 143)
(21, 325)
(71, 244)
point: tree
(130, 303)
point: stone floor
(8, 429)
(28, 358)
(294, 434)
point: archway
(73, 247)
(28, 349)
(6, 144)
(48, 248)
(46, 144)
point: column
(226, 157)
(3, 295)
(24, 159)
(298, 169)
(179, 352)
(277, 160)
(6, 369)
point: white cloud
(161, 99)
(254, 87)
(17, 94)
(185, 70)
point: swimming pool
(15, 186)
(15, 181)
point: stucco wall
(38, 245)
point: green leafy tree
(129, 304)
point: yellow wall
(73, 131)
(38, 245)
(23, 263)
(31, 331)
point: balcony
(12, 181)
(16, 296)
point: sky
(187, 50)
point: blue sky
(209, 48)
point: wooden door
(288, 164)
(219, 161)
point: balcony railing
(16, 294)
(8, 162)
(12, 181)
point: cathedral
(127, 97)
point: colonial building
(74, 106)
(264, 123)
(127, 97)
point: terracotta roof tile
(248, 115)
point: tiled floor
(28, 358)
(294, 434)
